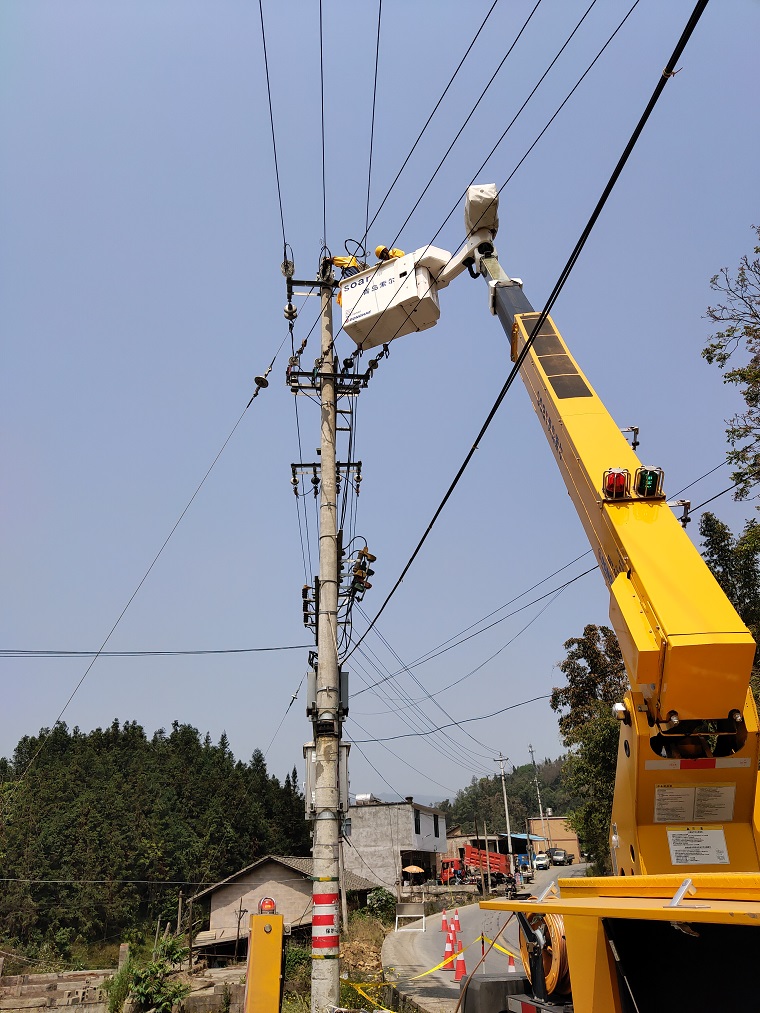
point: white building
(388, 837)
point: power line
(9, 652)
(474, 671)
(561, 281)
(416, 719)
(432, 699)
(463, 640)
(482, 95)
(271, 123)
(532, 146)
(282, 719)
(322, 103)
(372, 126)
(145, 576)
(427, 121)
(716, 496)
(380, 742)
(464, 721)
(706, 475)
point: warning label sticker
(685, 803)
(703, 845)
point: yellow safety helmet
(383, 253)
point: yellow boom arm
(687, 653)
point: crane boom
(685, 648)
(685, 815)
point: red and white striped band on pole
(325, 934)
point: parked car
(570, 858)
(559, 856)
(542, 860)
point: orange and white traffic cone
(511, 969)
(448, 955)
(444, 923)
(460, 970)
(455, 921)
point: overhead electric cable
(429, 696)
(389, 750)
(509, 615)
(435, 651)
(706, 475)
(293, 699)
(529, 150)
(477, 668)
(145, 576)
(416, 719)
(666, 75)
(464, 721)
(271, 123)
(322, 104)
(381, 776)
(716, 496)
(479, 100)
(427, 121)
(372, 124)
(9, 652)
(412, 716)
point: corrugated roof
(302, 865)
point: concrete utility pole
(501, 761)
(325, 933)
(538, 792)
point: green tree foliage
(483, 800)
(738, 316)
(115, 815)
(382, 904)
(152, 987)
(596, 679)
(735, 564)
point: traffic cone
(455, 921)
(460, 970)
(511, 969)
(448, 955)
(444, 923)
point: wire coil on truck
(554, 953)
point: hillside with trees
(483, 799)
(102, 830)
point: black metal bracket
(536, 945)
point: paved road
(410, 953)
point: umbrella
(413, 868)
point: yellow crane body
(685, 835)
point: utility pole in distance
(325, 935)
(501, 761)
(538, 791)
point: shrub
(118, 987)
(382, 904)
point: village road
(410, 953)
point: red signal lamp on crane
(616, 483)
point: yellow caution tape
(502, 949)
(369, 998)
(448, 962)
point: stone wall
(72, 988)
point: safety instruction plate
(687, 803)
(698, 845)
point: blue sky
(140, 251)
